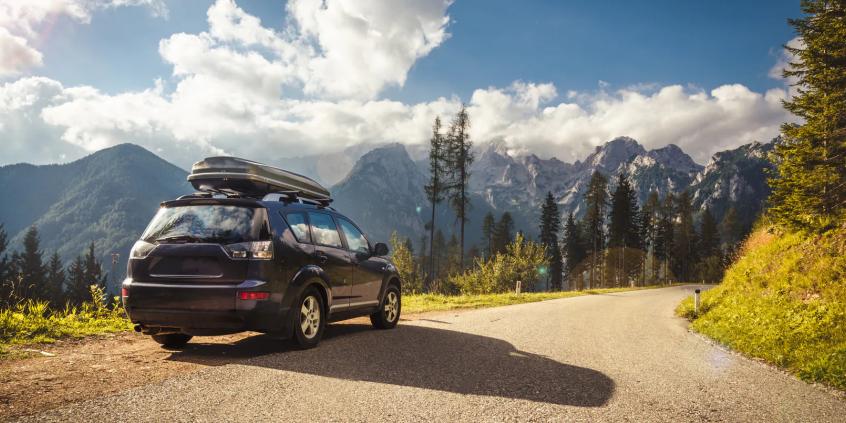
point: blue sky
(573, 44)
(597, 64)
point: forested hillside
(106, 198)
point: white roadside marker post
(696, 302)
(517, 290)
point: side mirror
(380, 249)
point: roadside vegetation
(34, 322)
(783, 301)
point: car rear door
(367, 276)
(330, 255)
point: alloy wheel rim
(310, 317)
(391, 306)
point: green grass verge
(35, 323)
(783, 301)
(421, 303)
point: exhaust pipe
(155, 330)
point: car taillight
(141, 249)
(253, 295)
(258, 250)
(124, 292)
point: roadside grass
(421, 303)
(783, 301)
(32, 322)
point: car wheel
(172, 340)
(389, 311)
(309, 320)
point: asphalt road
(611, 357)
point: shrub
(521, 261)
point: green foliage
(459, 157)
(784, 301)
(520, 262)
(550, 229)
(435, 188)
(809, 191)
(409, 270)
(574, 251)
(35, 322)
(624, 234)
(503, 233)
(596, 202)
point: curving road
(605, 357)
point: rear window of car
(299, 226)
(324, 230)
(215, 223)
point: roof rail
(294, 197)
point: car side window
(355, 239)
(323, 230)
(299, 226)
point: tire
(309, 319)
(172, 340)
(389, 311)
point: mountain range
(109, 196)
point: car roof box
(231, 175)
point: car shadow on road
(421, 357)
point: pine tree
(503, 233)
(488, 229)
(649, 220)
(709, 238)
(30, 267)
(710, 256)
(663, 244)
(459, 158)
(5, 268)
(574, 252)
(731, 231)
(623, 230)
(56, 280)
(454, 256)
(809, 191)
(93, 270)
(683, 255)
(440, 255)
(550, 229)
(596, 201)
(435, 187)
(78, 290)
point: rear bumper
(203, 309)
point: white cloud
(700, 122)
(784, 60)
(16, 54)
(20, 21)
(245, 89)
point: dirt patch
(73, 370)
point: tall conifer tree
(809, 191)
(436, 185)
(596, 201)
(550, 230)
(459, 158)
(574, 252)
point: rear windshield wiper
(178, 239)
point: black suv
(216, 264)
